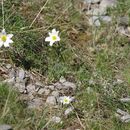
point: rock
(58, 85)
(121, 30)
(5, 127)
(21, 74)
(12, 73)
(106, 19)
(69, 85)
(108, 3)
(68, 111)
(8, 66)
(51, 87)
(127, 99)
(10, 81)
(51, 100)
(94, 20)
(124, 31)
(47, 92)
(55, 93)
(20, 87)
(123, 116)
(30, 95)
(39, 84)
(119, 81)
(121, 112)
(123, 21)
(56, 119)
(31, 88)
(44, 91)
(96, 11)
(35, 103)
(41, 91)
(92, 1)
(62, 79)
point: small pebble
(51, 100)
(56, 119)
(5, 127)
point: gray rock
(121, 112)
(51, 100)
(124, 31)
(123, 20)
(127, 99)
(121, 30)
(55, 94)
(10, 81)
(12, 73)
(119, 81)
(94, 20)
(58, 85)
(92, 1)
(39, 84)
(62, 79)
(125, 118)
(35, 103)
(21, 74)
(51, 87)
(31, 88)
(30, 95)
(97, 11)
(44, 91)
(47, 92)
(69, 85)
(8, 66)
(123, 115)
(106, 19)
(108, 3)
(56, 119)
(20, 87)
(41, 91)
(5, 127)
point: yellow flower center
(54, 38)
(4, 38)
(65, 100)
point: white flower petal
(54, 30)
(50, 34)
(10, 35)
(51, 43)
(58, 38)
(1, 43)
(57, 33)
(6, 44)
(10, 41)
(48, 39)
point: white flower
(53, 37)
(65, 99)
(5, 39)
